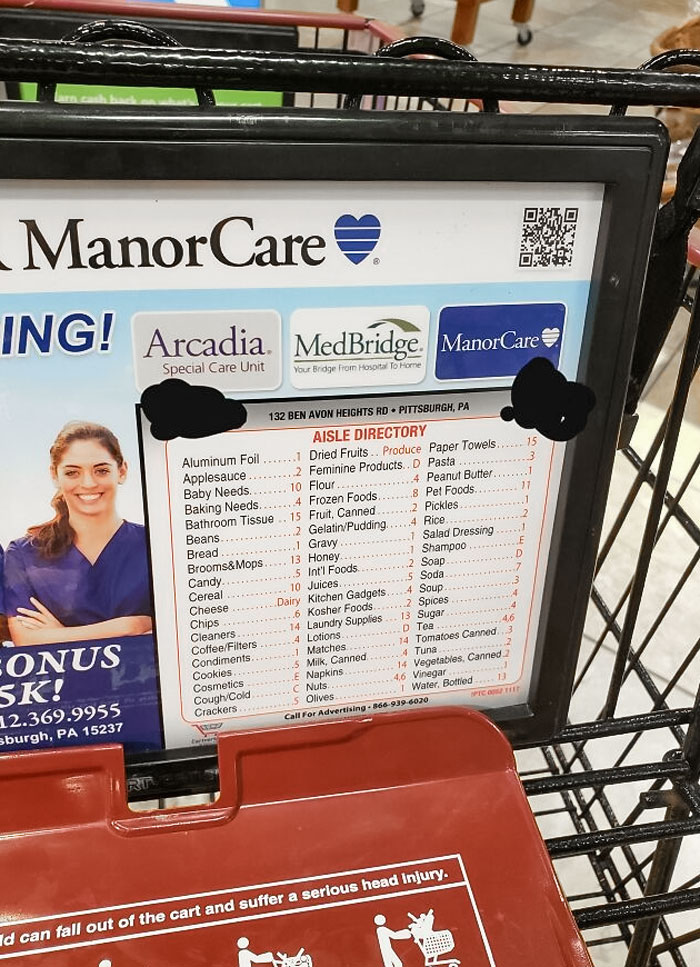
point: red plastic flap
(400, 841)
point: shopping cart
(593, 785)
(317, 31)
(431, 942)
(239, 28)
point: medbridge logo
(357, 237)
(477, 342)
(359, 345)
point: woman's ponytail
(53, 538)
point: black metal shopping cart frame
(632, 860)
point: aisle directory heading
(373, 536)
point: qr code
(548, 236)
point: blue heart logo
(357, 237)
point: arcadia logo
(357, 237)
(230, 350)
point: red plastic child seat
(403, 840)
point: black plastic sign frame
(502, 154)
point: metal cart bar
(622, 725)
(342, 73)
(600, 777)
(608, 913)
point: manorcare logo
(236, 241)
(237, 349)
(357, 237)
(358, 346)
(477, 342)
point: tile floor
(611, 33)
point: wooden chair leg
(464, 26)
(522, 11)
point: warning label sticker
(407, 914)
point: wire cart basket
(616, 793)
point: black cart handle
(436, 47)
(101, 31)
(662, 62)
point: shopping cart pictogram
(431, 942)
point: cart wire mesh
(620, 787)
(616, 793)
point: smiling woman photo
(83, 574)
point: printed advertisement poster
(329, 513)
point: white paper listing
(337, 557)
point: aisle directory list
(334, 557)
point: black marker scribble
(543, 399)
(176, 409)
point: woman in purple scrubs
(83, 574)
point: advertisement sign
(380, 524)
